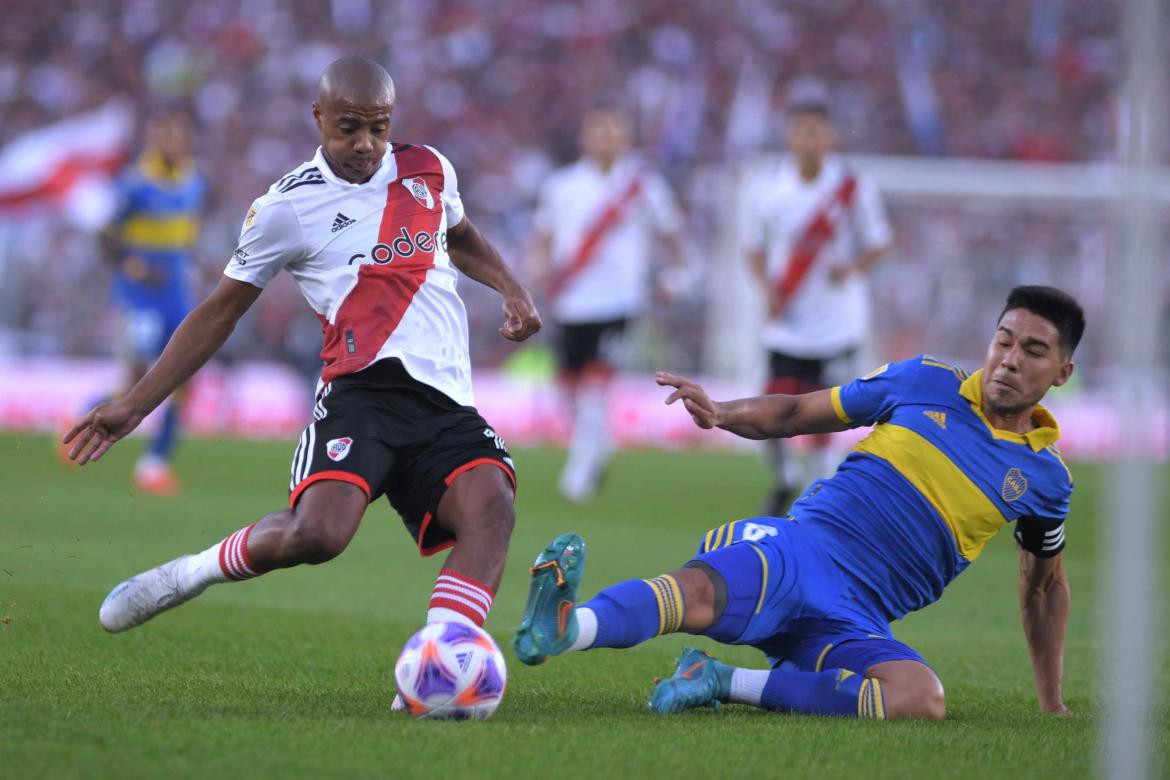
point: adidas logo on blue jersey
(340, 222)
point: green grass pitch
(290, 675)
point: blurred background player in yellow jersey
(151, 243)
(597, 222)
(816, 229)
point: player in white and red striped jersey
(815, 228)
(373, 233)
(597, 225)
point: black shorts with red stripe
(586, 344)
(392, 435)
(793, 375)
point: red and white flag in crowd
(67, 165)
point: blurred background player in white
(151, 243)
(373, 233)
(815, 228)
(597, 224)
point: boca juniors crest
(418, 188)
(337, 449)
(1015, 484)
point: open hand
(105, 424)
(705, 412)
(775, 305)
(521, 319)
(138, 270)
(839, 273)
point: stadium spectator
(992, 80)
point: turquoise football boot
(698, 681)
(549, 625)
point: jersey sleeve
(871, 399)
(873, 226)
(1043, 537)
(270, 239)
(452, 202)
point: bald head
(356, 80)
(355, 102)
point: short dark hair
(1056, 306)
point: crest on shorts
(1015, 485)
(337, 449)
(418, 188)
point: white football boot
(143, 596)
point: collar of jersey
(624, 166)
(384, 173)
(830, 169)
(152, 166)
(1043, 435)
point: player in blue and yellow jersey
(952, 458)
(151, 242)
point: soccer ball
(451, 670)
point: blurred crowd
(500, 88)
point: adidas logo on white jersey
(340, 222)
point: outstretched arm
(1044, 604)
(197, 338)
(476, 257)
(762, 417)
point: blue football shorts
(788, 598)
(145, 331)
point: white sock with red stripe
(223, 562)
(459, 598)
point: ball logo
(337, 449)
(418, 188)
(1015, 484)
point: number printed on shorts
(499, 441)
(754, 532)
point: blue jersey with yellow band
(157, 221)
(918, 498)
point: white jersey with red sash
(371, 259)
(805, 229)
(602, 225)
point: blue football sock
(636, 610)
(164, 443)
(831, 692)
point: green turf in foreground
(291, 674)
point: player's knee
(924, 702)
(317, 538)
(490, 517)
(700, 596)
(499, 518)
(910, 690)
(930, 705)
